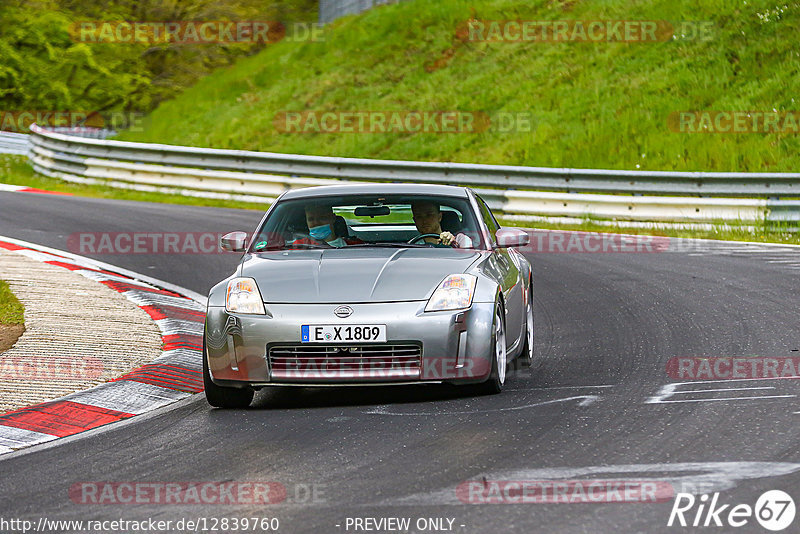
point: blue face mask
(320, 233)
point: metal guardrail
(84, 131)
(19, 143)
(13, 143)
(330, 10)
(637, 195)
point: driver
(321, 230)
(428, 218)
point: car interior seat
(340, 227)
(451, 222)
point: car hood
(354, 275)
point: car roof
(375, 189)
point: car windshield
(395, 221)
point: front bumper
(258, 350)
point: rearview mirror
(371, 211)
(234, 242)
(512, 237)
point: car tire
(497, 377)
(222, 397)
(525, 358)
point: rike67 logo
(774, 510)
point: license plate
(344, 333)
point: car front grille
(315, 363)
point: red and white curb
(175, 375)
(25, 189)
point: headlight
(454, 293)
(243, 297)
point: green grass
(11, 310)
(595, 105)
(16, 170)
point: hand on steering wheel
(422, 236)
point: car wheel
(222, 397)
(526, 357)
(497, 378)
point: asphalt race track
(597, 405)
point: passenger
(321, 229)
(428, 218)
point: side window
(488, 219)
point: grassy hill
(594, 104)
(49, 63)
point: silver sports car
(370, 284)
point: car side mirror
(234, 242)
(512, 237)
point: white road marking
(724, 389)
(670, 390)
(778, 254)
(729, 399)
(384, 409)
(559, 387)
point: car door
(508, 275)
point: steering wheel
(422, 236)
